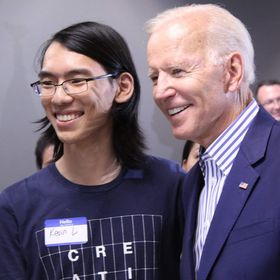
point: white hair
(224, 34)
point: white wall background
(25, 25)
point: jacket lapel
(237, 189)
(232, 201)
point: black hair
(186, 150)
(270, 82)
(42, 143)
(106, 46)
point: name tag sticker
(66, 231)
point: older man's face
(190, 91)
(269, 97)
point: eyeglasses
(72, 86)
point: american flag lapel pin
(243, 185)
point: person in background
(44, 151)
(103, 209)
(201, 64)
(190, 155)
(268, 95)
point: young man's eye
(47, 84)
(77, 81)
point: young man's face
(269, 97)
(83, 116)
(187, 87)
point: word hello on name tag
(66, 231)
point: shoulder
(164, 168)
(264, 133)
(264, 121)
(167, 164)
(27, 188)
(158, 169)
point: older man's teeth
(176, 110)
(66, 118)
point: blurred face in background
(192, 157)
(47, 155)
(269, 97)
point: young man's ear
(234, 72)
(125, 87)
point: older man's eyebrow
(151, 72)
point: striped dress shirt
(215, 164)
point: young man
(104, 210)
(268, 95)
(201, 63)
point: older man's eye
(154, 79)
(177, 72)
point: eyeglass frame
(38, 83)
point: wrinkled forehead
(177, 42)
(190, 33)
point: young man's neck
(94, 165)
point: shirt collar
(225, 148)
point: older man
(268, 95)
(201, 63)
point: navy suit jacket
(243, 241)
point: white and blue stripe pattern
(216, 163)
